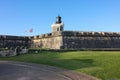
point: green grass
(101, 64)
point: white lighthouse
(58, 25)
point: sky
(17, 17)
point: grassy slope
(104, 65)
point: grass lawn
(101, 64)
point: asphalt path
(28, 71)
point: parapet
(42, 36)
(8, 37)
(94, 34)
(78, 34)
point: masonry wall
(80, 40)
(47, 41)
(7, 41)
(91, 42)
(77, 40)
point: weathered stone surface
(7, 41)
(78, 40)
(64, 40)
(14, 52)
(7, 53)
(48, 42)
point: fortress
(60, 39)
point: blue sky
(17, 16)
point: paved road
(27, 71)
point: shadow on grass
(54, 60)
(73, 64)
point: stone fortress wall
(50, 41)
(7, 41)
(64, 40)
(82, 40)
(77, 40)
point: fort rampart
(7, 41)
(77, 40)
(64, 40)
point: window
(57, 29)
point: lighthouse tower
(58, 25)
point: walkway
(28, 71)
